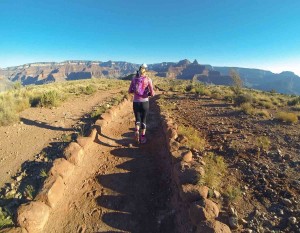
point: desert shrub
(8, 111)
(202, 91)
(263, 113)
(247, 108)
(50, 99)
(43, 173)
(294, 101)
(232, 193)
(5, 219)
(90, 89)
(296, 108)
(96, 113)
(228, 98)
(30, 192)
(189, 88)
(288, 117)
(216, 94)
(195, 139)
(215, 169)
(266, 104)
(8, 116)
(241, 99)
(237, 82)
(263, 143)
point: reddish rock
(74, 153)
(62, 167)
(213, 226)
(52, 191)
(172, 133)
(86, 142)
(192, 193)
(33, 216)
(203, 210)
(187, 173)
(173, 145)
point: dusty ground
(270, 182)
(41, 128)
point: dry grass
(215, 169)
(195, 139)
(232, 193)
(287, 117)
(49, 95)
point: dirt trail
(122, 186)
(39, 128)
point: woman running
(141, 86)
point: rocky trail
(122, 187)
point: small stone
(292, 220)
(217, 194)
(287, 202)
(187, 156)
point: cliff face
(40, 73)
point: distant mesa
(46, 72)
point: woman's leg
(144, 113)
(137, 115)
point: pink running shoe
(143, 139)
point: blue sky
(261, 34)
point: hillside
(212, 161)
(41, 73)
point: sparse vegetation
(43, 173)
(49, 95)
(287, 117)
(232, 193)
(5, 219)
(29, 192)
(237, 82)
(242, 98)
(215, 169)
(263, 143)
(195, 140)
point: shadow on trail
(140, 193)
(44, 125)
